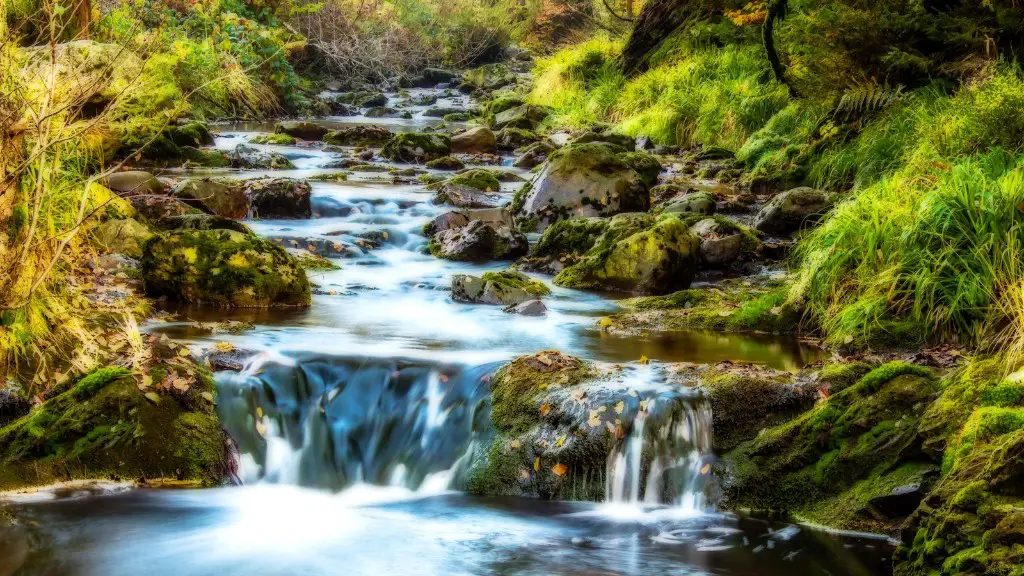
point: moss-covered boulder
(247, 157)
(481, 240)
(195, 134)
(278, 197)
(506, 288)
(205, 157)
(213, 197)
(358, 136)
(646, 165)
(626, 143)
(446, 163)
(223, 268)
(793, 210)
(301, 129)
(581, 181)
(134, 183)
(478, 140)
(417, 147)
(534, 155)
(514, 138)
(828, 464)
(656, 260)
(693, 203)
(159, 423)
(471, 189)
(274, 139)
(525, 116)
(201, 222)
(125, 236)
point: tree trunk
(83, 18)
(657, 20)
(776, 11)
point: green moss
(1005, 394)
(878, 377)
(842, 375)
(446, 163)
(478, 179)
(275, 139)
(516, 386)
(417, 147)
(498, 474)
(517, 280)
(682, 299)
(96, 381)
(646, 165)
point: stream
(356, 421)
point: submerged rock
(507, 288)
(792, 210)
(417, 147)
(223, 268)
(581, 181)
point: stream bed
(354, 475)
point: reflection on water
(284, 530)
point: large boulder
(471, 189)
(417, 147)
(584, 180)
(505, 288)
(632, 257)
(247, 157)
(133, 183)
(477, 140)
(792, 210)
(693, 203)
(213, 197)
(646, 165)
(526, 116)
(358, 136)
(534, 155)
(201, 221)
(301, 129)
(279, 198)
(125, 236)
(223, 268)
(721, 242)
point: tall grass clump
(932, 251)
(581, 83)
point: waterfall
(665, 457)
(332, 422)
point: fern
(864, 100)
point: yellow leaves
(705, 469)
(644, 359)
(620, 407)
(615, 430)
(559, 469)
(515, 444)
(561, 440)
(606, 323)
(190, 255)
(577, 396)
(184, 353)
(208, 396)
(152, 397)
(536, 464)
(225, 347)
(545, 409)
(595, 419)
(238, 260)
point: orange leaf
(544, 409)
(559, 469)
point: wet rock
(479, 241)
(442, 111)
(223, 268)
(514, 138)
(475, 141)
(133, 183)
(386, 112)
(13, 405)
(358, 136)
(233, 359)
(278, 198)
(194, 134)
(529, 308)
(201, 222)
(534, 155)
(720, 244)
(416, 147)
(646, 165)
(621, 140)
(471, 189)
(792, 210)
(213, 197)
(122, 236)
(366, 155)
(319, 246)
(693, 203)
(247, 157)
(581, 181)
(506, 288)
(370, 99)
(432, 77)
(156, 208)
(714, 153)
(274, 139)
(301, 129)
(899, 503)
(639, 256)
(446, 163)
(205, 158)
(525, 116)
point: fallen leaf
(536, 464)
(644, 359)
(559, 469)
(544, 409)
(561, 441)
(620, 407)
(514, 444)
(225, 347)
(152, 397)
(184, 353)
(705, 469)
(207, 395)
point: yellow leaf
(153, 397)
(184, 353)
(561, 441)
(259, 412)
(207, 395)
(559, 469)
(620, 407)
(606, 322)
(544, 409)
(225, 347)
(705, 469)
(644, 359)
(514, 444)
(536, 464)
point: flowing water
(357, 421)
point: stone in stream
(358, 136)
(693, 203)
(122, 236)
(301, 129)
(529, 308)
(475, 141)
(646, 165)
(201, 222)
(205, 157)
(446, 163)
(274, 139)
(386, 112)
(431, 77)
(250, 158)
(506, 288)
(633, 253)
(583, 180)
(213, 197)
(471, 189)
(479, 241)
(515, 138)
(222, 268)
(441, 111)
(627, 143)
(526, 116)
(533, 155)
(720, 242)
(793, 210)
(278, 198)
(133, 183)
(320, 246)
(417, 147)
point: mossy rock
(205, 158)
(123, 236)
(506, 288)
(646, 165)
(446, 163)
(417, 147)
(301, 129)
(201, 222)
(213, 197)
(478, 179)
(358, 136)
(695, 203)
(223, 268)
(104, 427)
(195, 134)
(274, 139)
(659, 259)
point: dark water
(356, 424)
